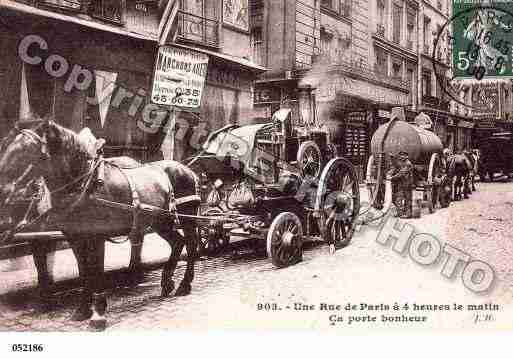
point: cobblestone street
(244, 290)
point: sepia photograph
(332, 166)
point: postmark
(478, 41)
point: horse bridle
(19, 181)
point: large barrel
(402, 136)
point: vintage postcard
(334, 165)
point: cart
(270, 182)
(424, 149)
(496, 155)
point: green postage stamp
(482, 38)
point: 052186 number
(27, 347)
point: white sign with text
(179, 77)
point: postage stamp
(482, 39)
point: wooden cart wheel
(212, 239)
(309, 159)
(285, 240)
(337, 203)
(372, 183)
(434, 176)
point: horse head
(23, 152)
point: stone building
(333, 53)
(91, 62)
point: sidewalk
(20, 273)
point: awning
(30, 10)
(249, 65)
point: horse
(458, 170)
(94, 200)
(474, 168)
(30, 206)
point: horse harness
(96, 176)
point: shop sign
(179, 77)
(465, 124)
(485, 123)
(352, 87)
(264, 95)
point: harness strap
(186, 199)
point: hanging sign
(179, 77)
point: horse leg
(135, 271)
(457, 188)
(191, 243)
(83, 311)
(43, 253)
(96, 282)
(176, 242)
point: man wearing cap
(401, 176)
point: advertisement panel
(179, 77)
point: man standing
(401, 176)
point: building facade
(96, 63)
(332, 52)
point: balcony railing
(109, 10)
(198, 29)
(71, 5)
(380, 30)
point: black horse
(94, 200)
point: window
(426, 83)
(257, 45)
(410, 28)
(410, 79)
(397, 14)
(345, 8)
(325, 41)
(380, 30)
(341, 7)
(427, 34)
(381, 61)
(396, 70)
(198, 21)
(235, 13)
(109, 10)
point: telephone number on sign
(27, 347)
(164, 99)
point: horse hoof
(81, 314)
(183, 290)
(98, 324)
(167, 288)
